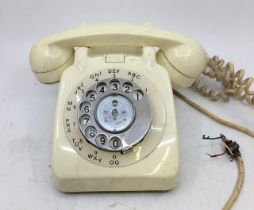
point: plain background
(27, 107)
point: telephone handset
(115, 127)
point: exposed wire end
(210, 138)
(217, 155)
(231, 147)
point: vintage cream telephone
(115, 127)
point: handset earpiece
(48, 61)
(184, 62)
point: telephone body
(115, 126)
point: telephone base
(121, 185)
(145, 175)
(80, 163)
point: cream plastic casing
(90, 53)
(156, 171)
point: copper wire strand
(233, 82)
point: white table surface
(27, 107)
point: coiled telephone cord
(234, 85)
(233, 82)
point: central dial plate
(114, 115)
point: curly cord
(233, 82)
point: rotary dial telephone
(115, 126)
